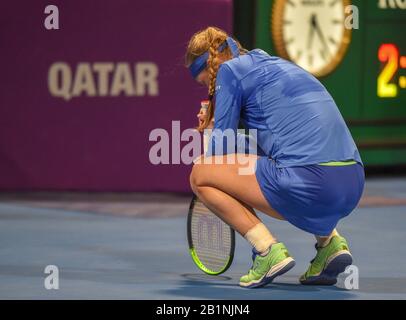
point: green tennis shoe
(264, 269)
(329, 262)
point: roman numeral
(310, 59)
(298, 55)
(332, 41)
(323, 54)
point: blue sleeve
(228, 101)
(248, 145)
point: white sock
(324, 241)
(260, 238)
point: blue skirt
(313, 197)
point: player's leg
(232, 178)
(333, 254)
(332, 258)
(231, 194)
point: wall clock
(311, 33)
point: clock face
(311, 33)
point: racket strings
(212, 238)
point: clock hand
(312, 30)
(321, 36)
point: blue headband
(200, 62)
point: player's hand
(202, 116)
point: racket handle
(206, 134)
(206, 139)
(204, 104)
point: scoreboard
(358, 51)
(385, 59)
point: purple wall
(96, 142)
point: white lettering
(52, 20)
(51, 282)
(93, 80)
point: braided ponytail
(213, 64)
(209, 40)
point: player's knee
(196, 178)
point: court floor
(134, 247)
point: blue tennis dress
(299, 129)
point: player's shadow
(220, 287)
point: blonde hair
(209, 40)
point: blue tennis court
(107, 107)
(105, 247)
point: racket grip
(206, 139)
(206, 133)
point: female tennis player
(308, 170)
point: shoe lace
(315, 262)
(254, 255)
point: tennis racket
(211, 240)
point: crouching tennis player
(308, 169)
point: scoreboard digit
(388, 54)
(369, 82)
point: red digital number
(389, 54)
